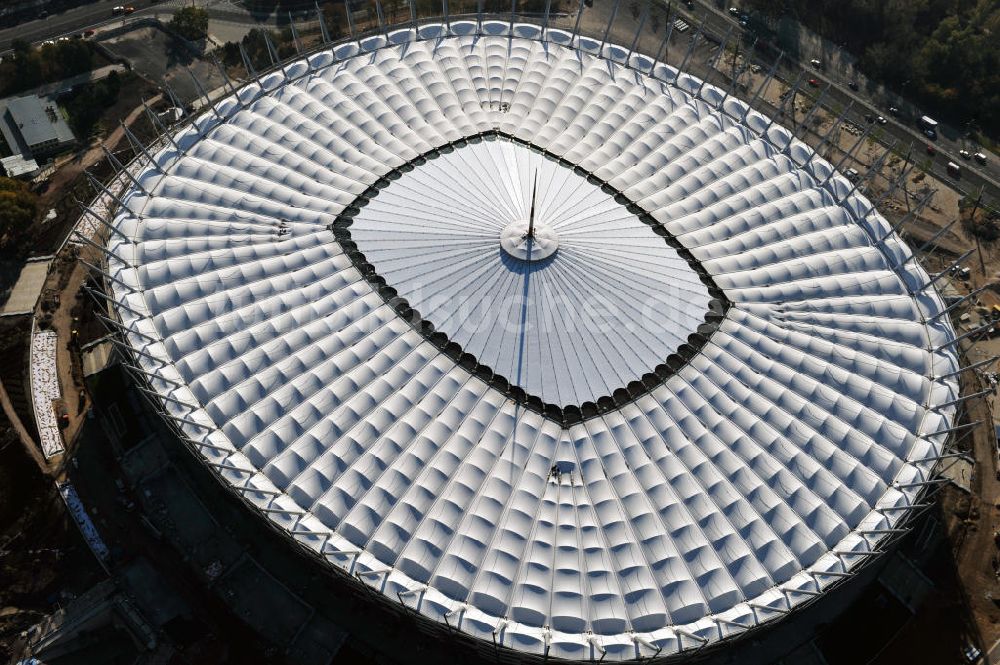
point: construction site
(118, 544)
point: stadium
(544, 340)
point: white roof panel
(804, 410)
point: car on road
(880, 120)
(814, 83)
(965, 154)
(129, 9)
(893, 110)
(931, 150)
(980, 157)
(735, 11)
(816, 63)
(954, 170)
(118, 9)
(88, 33)
(853, 85)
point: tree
(942, 54)
(255, 45)
(17, 210)
(86, 106)
(191, 23)
(772, 9)
(27, 68)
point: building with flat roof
(33, 128)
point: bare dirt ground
(43, 559)
(66, 279)
(973, 522)
(157, 56)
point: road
(74, 21)
(68, 22)
(973, 177)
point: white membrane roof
(611, 302)
(763, 470)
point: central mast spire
(531, 215)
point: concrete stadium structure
(542, 339)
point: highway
(69, 22)
(973, 177)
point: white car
(965, 154)
(816, 63)
(118, 9)
(880, 120)
(980, 157)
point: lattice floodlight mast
(873, 170)
(323, 30)
(720, 51)
(638, 30)
(763, 86)
(662, 52)
(323, 325)
(157, 125)
(809, 116)
(694, 42)
(958, 303)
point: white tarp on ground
(45, 389)
(810, 416)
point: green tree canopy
(190, 22)
(943, 54)
(27, 68)
(86, 105)
(17, 210)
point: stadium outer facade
(763, 459)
